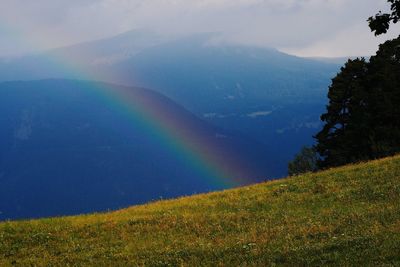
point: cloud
(304, 27)
(355, 40)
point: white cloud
(304, 27)
(356, 40)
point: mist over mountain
(269, 96)
(183, 68)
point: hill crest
(343, 216)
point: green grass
(344, 216)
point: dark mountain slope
(66, 148)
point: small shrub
(304, 161)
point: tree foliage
(363, 115)
(380, 23)
(344, 119)
(304, 161)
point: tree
(384, 99)
(363, 115)
(305, 161)
(341, 139)
(380, 23)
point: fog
(324, 28)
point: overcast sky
(328, 28)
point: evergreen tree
(363, 115)
(384, 99)
(342, 137)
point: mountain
(337, 60)
(348, 216)
(69, 147)
(269, 96)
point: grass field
(345, 216)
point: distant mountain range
(64, 151)
(266, 95)
(191, 70)
(69, 147)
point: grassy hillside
(343, 216)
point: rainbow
(220, 168)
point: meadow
(343, 216)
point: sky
(322, 28)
